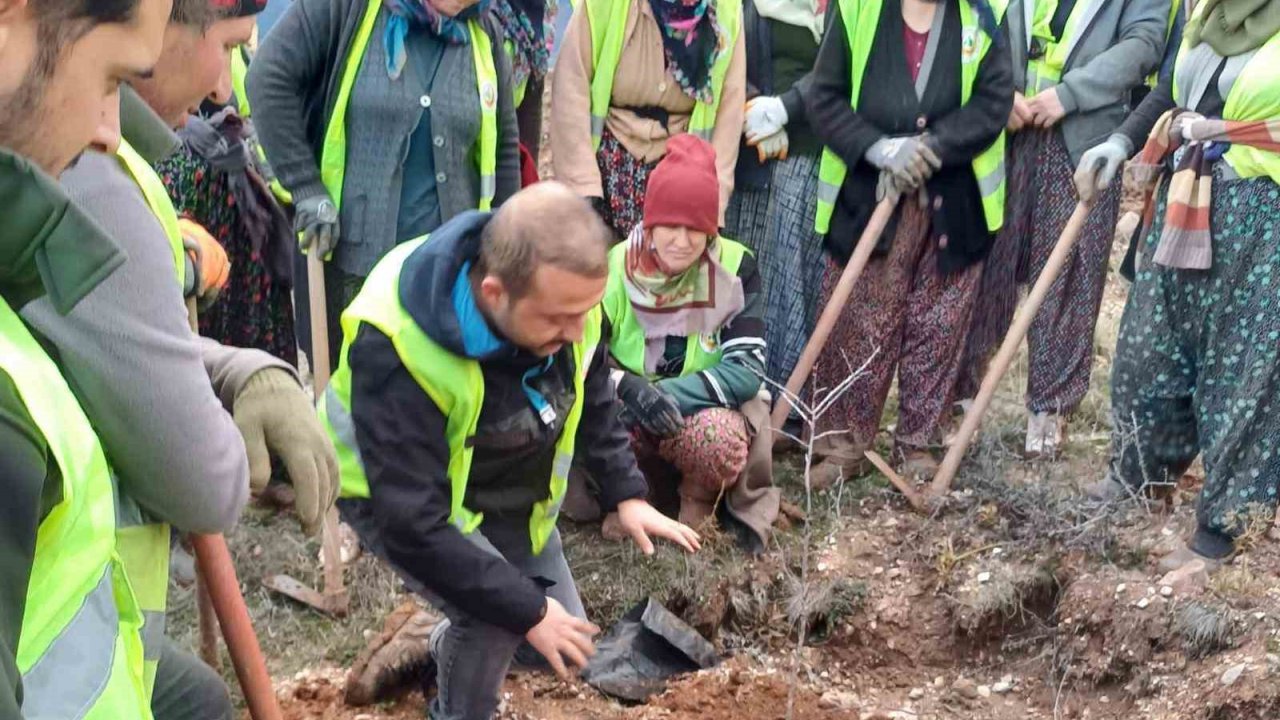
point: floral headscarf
(693, 41)
(531, 26)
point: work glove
(276, 416)
(765, 116)
(648, 407)
(207, 268)
(909, 159)
(315, 221)
(1099, 165)
(773, 147)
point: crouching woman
(684, 312)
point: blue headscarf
(415, 14)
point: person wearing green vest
(634, 73)
(1196, 364)
(1075, 65)
(685, 326)
(910, 97)
(530, 30)
(70, 627)
(185, 451)
(473, 373)
(383, 119)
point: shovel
(333, 600)
(835, 306)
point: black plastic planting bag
(643, 650)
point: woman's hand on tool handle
(641, 520)
(564, 640)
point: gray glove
(909, 159)
(1099, 165)
(316, 222)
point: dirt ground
(1017, 600)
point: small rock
(1166, 591)
(1189, 578)
(984, 577)
(939, 681)
(1104, 700)
(1260, 616)
(1143, 603)
(878, 571)
(916, 693)
(1121, 588)
(1232, 674)
(964, 687)
(984, 691)
(1001, 687)
(894, 572)
(822, 567)
(838, 700)
(363, 716)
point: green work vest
(1255, 95)
(1046, 72)
(608, 20)
(861, 18)
(80, 652)
(240, 69)
(144, 545)
(333, 155)
(626, 337)
(157, 197)
(454, 383)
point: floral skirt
(625, 178)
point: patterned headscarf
(531, 26)
(406, 14)
(693, 41)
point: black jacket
(888, 106)
(401, 436)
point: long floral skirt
(625, 178)
(904, 316)
(1197, 367)
(777, 224)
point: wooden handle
(835, 306)
(237, 629)
(330, 544)
(1008, 349)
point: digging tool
(903, 485)
(835, 306)
(215, 566)
(333, 600)
(972, 419)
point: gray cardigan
(293, 85)
(1123, 43)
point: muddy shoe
(1184, 556)
(396, 660)
(832, 470)
(1046, 435)
(918, 465)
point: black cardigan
(888, 106)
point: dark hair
(193, 13)
(59, 22)
(546, 224)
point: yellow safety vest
(239, 70)
(333, 156)
(143, 544)
(608, 20)
(1046, 71)
(455, 384)
(861, 18)
(1255, 95)
(626, 337)
(80, 652)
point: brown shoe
(395, 661)
(832, 470)
(918, 465)
(1182, 556)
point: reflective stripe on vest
(608, 21)
(1254, 95)
(626, 337)
(861, 17)
(80, 651)
(333, 156)
(240, 69)
(455, 384)
(157, 197)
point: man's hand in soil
(641, 520)
(564, 640)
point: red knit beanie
(684, 190)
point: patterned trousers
(913, 319)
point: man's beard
(22, 119)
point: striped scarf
(1186, 241)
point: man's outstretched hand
(642, 521)
(564, 640)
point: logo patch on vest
(488, 96)
(709, 343)
(969, 45)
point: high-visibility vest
(1046, 71)
(608, 21)
(80, 652)
(455, 384)
(144, 545)
(239, 70)
(333, 155)
(1255, 95)
(523, 87)
(861, 18)
(626, 337)
(157, 197)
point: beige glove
(275, 415)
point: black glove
(647, 406)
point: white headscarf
(801, 13)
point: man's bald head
(546, 224)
